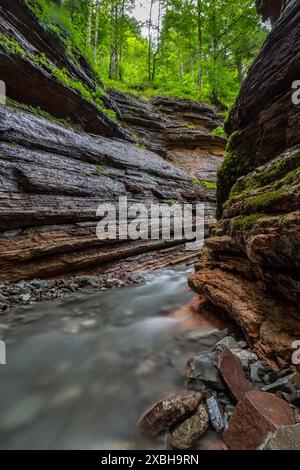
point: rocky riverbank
(235, 401)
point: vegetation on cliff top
(187, 48)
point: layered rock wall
(250, 266)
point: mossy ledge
(239, 161)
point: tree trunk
(239, 66)
(150, 41)
(114, 58)
(96, 30)
(121, 40)
(158, 41)
(200, 45)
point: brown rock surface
(255, 416)
(166, 413)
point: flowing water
(81, 372)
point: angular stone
(201, 370)
(285, 438)
(188, 432)
(274, 375)
(216, 414)
(232, 372)
(228, 341)
(207, 337)
(166, 413)
(257, 370)
(255, 416)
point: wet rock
(207, 337)
(293, 398)
(216, 415)
(190, 431)
(274, 375)
(166, 413)
(285, 438)
(229, 342)
(256, 415)
(286, 384)
(232, 372)
(257, 371)
(201, 370)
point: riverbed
(82, 371)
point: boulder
(201, 371)
(166, 413)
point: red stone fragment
(232, 372)
(258, 414)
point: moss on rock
(239, 161)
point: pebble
(18, 295)
(228, 341)
(216, 414)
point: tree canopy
(188, 48)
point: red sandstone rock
(232, 372)
(257, 415)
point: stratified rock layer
(53, 177)
(250, 266)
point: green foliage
(11, 46)
(236, 164)
(246, 222)
(165, 58)
(172, 202)
(219, 131)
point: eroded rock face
(30, 67)
(250, 266)
(52, 181)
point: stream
(82, 371)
